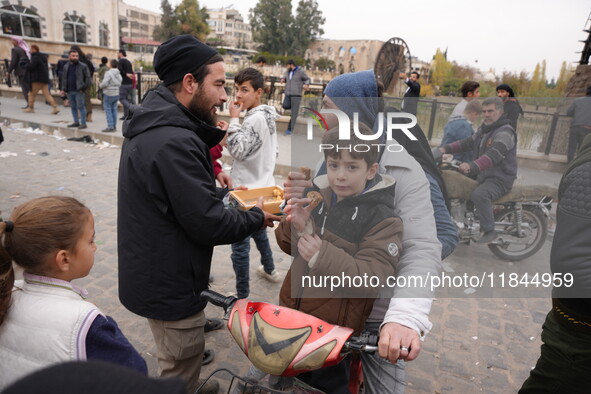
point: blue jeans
(379, 375)
(447, 233)
(110, 107)
(76, 99)
(241, 259)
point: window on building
(103, 34)
(74, 29)
(133, 14)
(20, 21)
(228, 24)
(144, 17)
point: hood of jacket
(269, 113)
(160, 108)
(378, 192)
(115, 74)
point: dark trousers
(124, 94)
(564, 365)
(333, 380)
(241, 260)
(292, 102)
(483, 196)
(577, 135)
(25, 86)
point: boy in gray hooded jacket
(110, 86)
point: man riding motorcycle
(495, 167)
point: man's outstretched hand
(269, 218)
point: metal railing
(537, 130)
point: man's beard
(198, 107)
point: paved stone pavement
(477, 344)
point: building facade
(227, 28)
(137, 29)
(55, 25)
(347, 55)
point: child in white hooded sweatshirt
(110, 85)
(253, 145)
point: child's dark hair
(36, 229)
(366, 150)
(114, 63)
(252, 75)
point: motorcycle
(281, 343)
(521, 216)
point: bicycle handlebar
(366, 342)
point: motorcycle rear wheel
(535, 235)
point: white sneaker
(272, 277)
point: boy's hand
(222, 125)
(295, 185)
(242, 187)
(297, 213)
(308, 246)
(235, 109)
(224, 141)
(225, 180)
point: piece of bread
(315, 197)
(307, 172)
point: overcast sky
(511, 35)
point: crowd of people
(74, 73)
(380, 213)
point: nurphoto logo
(344, 126)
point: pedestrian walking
(19, 59)
(295, 80)
(39, 77)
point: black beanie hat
(180, 55)
(507, 88)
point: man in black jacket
(411, 95)
(39, 77)
(511, 106)
(19, 60)
(75, 80)
(126, 70)
(170, 213)
(564, 365)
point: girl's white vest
(47, 323)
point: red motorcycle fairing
(285, 342)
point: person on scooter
(351, 231)
(495, 167)
(429, 234)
